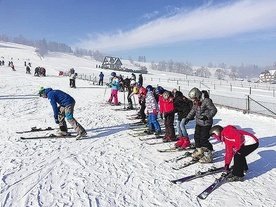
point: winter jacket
(58, 97)
(166, 106)
(182, 105)
(101, 76)
(73, 76)
(151, 103)
(234, 139)
(203, 108)
(114, 84)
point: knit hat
(41, 91)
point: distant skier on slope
(238, 144)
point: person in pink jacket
(238, 144)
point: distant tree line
(142, 59)
(171, 66)
(43, 47)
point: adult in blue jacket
(63, 107)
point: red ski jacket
(234, 139)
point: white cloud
(150, 15)
(208, 22)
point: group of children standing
(200, 107)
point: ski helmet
(132, 82)
(195, 93)
(215, 132)
(149, 88)
(139, 85)
(159, 90)
(113, 74)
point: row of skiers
(199, 107)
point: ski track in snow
(110, 167)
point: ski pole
(135, 103)
(124, 98)
(104, 92)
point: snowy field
(110, 168)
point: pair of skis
(49, 136)
(176, 149)
(35, 129)
(199, 174)
(218, 181)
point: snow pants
(202, 136)
(240, 163)
(114, 94)
(169, 127)
(67, 112)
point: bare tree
(220, 74)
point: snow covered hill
(110, 168)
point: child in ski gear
(12, 66)
(140, 79)
(238, 144)
(101, 77)
(72, 78)
(63, 107)
(142, 101)
(132, 89)
(152, 110)
(114, 84)
(28, 69)
(37, 71)
(167, 107)
(182, 106)
(203, 111)
(42, 71)
(133, 77)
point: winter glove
(226, 167)
(202, 117)
(56, 120)
(154, 111)
(186, 121)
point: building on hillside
(268, 76)
(112, 63)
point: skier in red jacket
(238, 144)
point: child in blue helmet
(114, 84)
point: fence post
(248, 104)
(230, 87)
(178, 88)
(250, 90)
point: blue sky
(198, 31)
